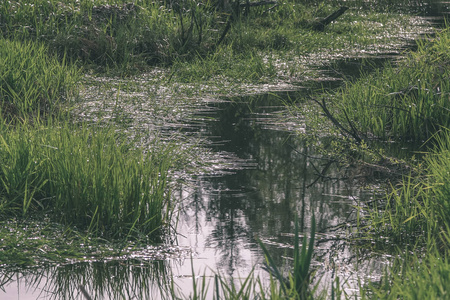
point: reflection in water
(124, 279)
(225, 214)
(279, 179)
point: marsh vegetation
(102, 120)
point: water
(273, 179)
(224, 216)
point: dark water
(274, 178)
(224, 216)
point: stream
(273, 178)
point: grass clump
(407, 102)
(414, 278)
(438, 164)
(297, 284)
(32, 83)
(88, 177)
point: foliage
(32, 84)
(408, 101)
(297, 284)
(89, 177)
(126, 37)
(414, 278)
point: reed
(297, 284)
(89, 177)
(414, 278)
(404, 102)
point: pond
(268, 178)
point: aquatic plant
(297, 284)
(411, 277)
(88, 177)
(405, 102)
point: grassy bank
(203, 40)
(33, 85)
(406, 102)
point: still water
(281, 179)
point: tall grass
(88, 177)
(416, 213)
(32, 83)
(297, 284)
(408, 101)
(439, 169)
(414, 278)
(110, 33)
(406, 217)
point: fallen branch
(260, 3)
(320, 25)
(349, 133)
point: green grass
(280, 46)
(408, 102)
(110, 34)
(414, 278)
(297, 284)
(88, 177)
(125, 38)
(438, 163)
(405, 102)
(33, 85)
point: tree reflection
(264, 201)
